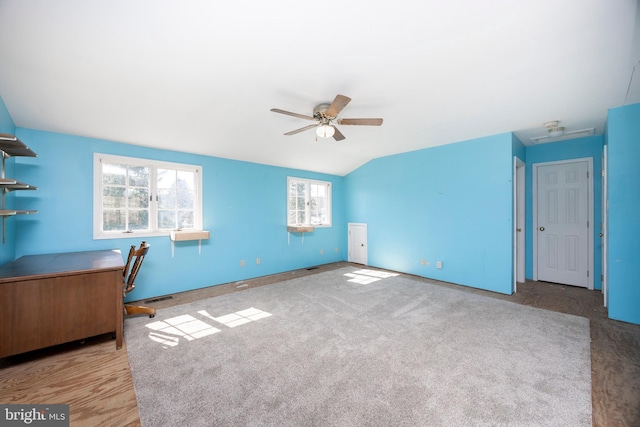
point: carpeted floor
(354, 347)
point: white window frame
(309, 183)
(153, 165)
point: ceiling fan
(325, 115)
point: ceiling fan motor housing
(554, 128)
(320, 110)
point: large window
(144, 197)
(308, 202)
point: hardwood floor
(95, 378)
(91, 376)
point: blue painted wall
(244, 208)
(623, 185)
(8, 249)
(588, 147)
(518, 149)
(451, 203)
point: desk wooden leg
(119, 321)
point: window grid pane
(308, 203)
(167, 219)
(125, 197)
(125, 201)
(114, 219)
(297, 203)
(176, 199)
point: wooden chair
(134, 261)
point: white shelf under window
(300, 229)
(181, 235)
(186, 235)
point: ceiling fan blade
(337, 105)
(338, 136)
(289, 113)
(366, 122)
(293, 132)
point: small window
(144, 197)
(308, 202)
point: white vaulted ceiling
(201, 76)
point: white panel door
(562, 223)
(519, 180)
(357, 243)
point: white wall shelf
(181, 235)
(299, 229)
(186, 235)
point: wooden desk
(52, 299)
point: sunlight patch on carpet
(365, 276)
(169, 331)
(239, 317)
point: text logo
(56, 415)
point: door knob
(601, 234)
(518, 229)
(362, 244)
(541, 228)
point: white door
(562, 221)
(357, 243)
(603, 232)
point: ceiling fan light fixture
(325, 131)
(558, 133)
(554, 128)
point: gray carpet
(348, 348)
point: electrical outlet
(439, 264)
(241, 263)
(423, 261)
(258, 261)
(336, 250)
(321, 251)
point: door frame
(590, 214)
(603, 227)
(519, 227)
